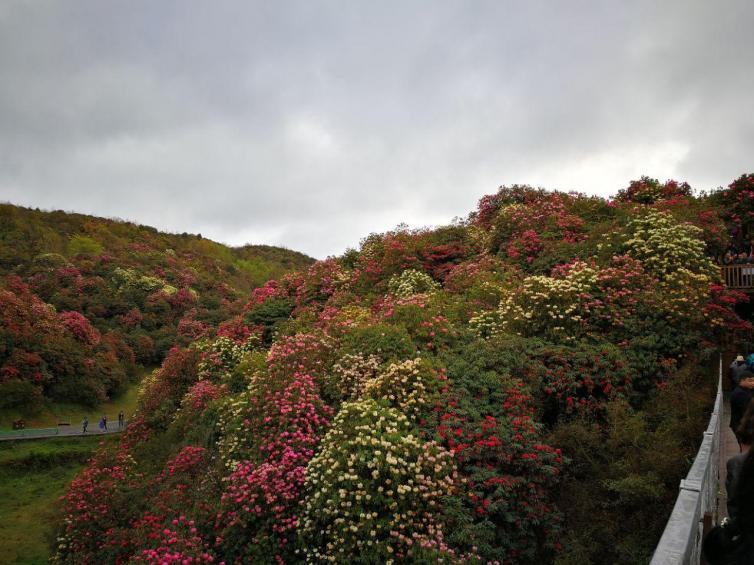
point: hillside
(84, 301)
(524, 386)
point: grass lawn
(55, 412)
(33, 475)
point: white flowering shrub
(221, 355)
(411, 282)
(409, 386)
(548, 306)
(373, 484)
(351, 373)
(486, 324)
(664, 246)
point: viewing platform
(739, 277)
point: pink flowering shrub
(80, 327)
(309, 353)
(259, 508)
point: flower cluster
(351, 373)
(410, 386)
(648, 191)
(411, 282)
(664, 245)
(373, 485)
(277, 436)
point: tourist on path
(739, 401)
(121, 420)
(737, 368)
(84, 425)
(103, 424)
(745, 434)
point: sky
(312, 124)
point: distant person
(121, 420)
(84, 424)
(103, 424)
(739, 401)
(736, 369)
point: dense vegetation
(85, 301)
(524, 386)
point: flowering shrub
(361, 412)
(738, 204)
(80, 327)
(220, 356)
(278, 434)
(648, 191)
(200, 394)
(504, 506)
(522, 220)
(583, 378)
(411, 282)
(664, 246)
(264, 420)
(351, 373)
(310, 353)
(373, 485)
(410, 386)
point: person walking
(736, 369)
(745, 435)
(84, 424)
(121, 420)
(739, 401)
(102, 425)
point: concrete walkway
(728, 449)
(61, 431)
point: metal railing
(681, 542)
(738, 276)
(30, 432)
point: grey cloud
(310, 124)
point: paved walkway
(728, 449)
(60, 431)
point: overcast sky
(311, 124)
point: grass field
(56, 412)
(33, 475)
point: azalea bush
(372, 487)
(475, 393)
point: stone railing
(695, 508)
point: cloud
(311, 125)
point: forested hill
(84, 300)
(525, 386)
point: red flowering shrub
(738, 205)
(648, 191)
(504, 509)
(80, 327)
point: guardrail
(696, 505)
(738, 276)
(31, 432)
